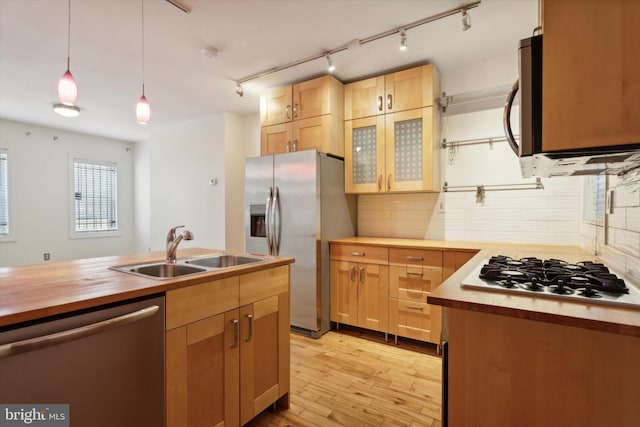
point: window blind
(4, 194)
(95, 195)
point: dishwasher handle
(56, 338)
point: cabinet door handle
(352, 273)
(356, 253)
(288, 147)
(414, 307)
(236, 328)
(250, 328)
(380, 182)
(389, 102)
(389, 182)
(414, 258)
(288, 112)
(295, 145)
(380, 103)
(411, 273)
(295, 110)
(361, 275)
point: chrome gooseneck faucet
(173, 240)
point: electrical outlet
(47, 256)
(440, 207)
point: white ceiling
(252, 36)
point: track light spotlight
(330, 63)
(466, 20)
(403, 40)
(239, 89)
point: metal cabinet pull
(389, 182)
(379, 103)
(250, 328)
(288, 147)
(295, 110)
(295, 145)
(414, 307)
(236, 331)
(389, 102)
(56, 338)
(380, 182)
(414, 258)
(352, 273)
(361, 275)
(356, 253)
(288, 112)
(411, 273)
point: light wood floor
(349, 379)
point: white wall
(183, 159)
(39, 186)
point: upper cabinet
(591, 95)
(399, 91)
(304, 116)
(392, 132)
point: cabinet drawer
(192, 303)
(358, 253)
(412, 283)
(412, 320)
(263, 284)
(417, 257)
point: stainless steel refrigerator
(294, 205)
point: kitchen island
(224, 328)
(526, 361)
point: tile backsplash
(549, 216)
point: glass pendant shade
(67, 89)
(143, 111)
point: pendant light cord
(69, 35)
(142, 3)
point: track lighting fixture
(239, 90)
(466, 20)
(67, 87)
(143, 110)
(403, 40)
(332, 67)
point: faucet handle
(171, 235)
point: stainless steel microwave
(534, 161)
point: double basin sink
(166, 270)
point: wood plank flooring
(349, 378)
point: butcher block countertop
(599, 317)
(41, 290)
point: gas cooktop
(586, 281)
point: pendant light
(67, 87)
(143, 110)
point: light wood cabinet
(590, 74)
(453, 260)
(391, 140)
(413, 274)
(227, 349)
(305, 116)
(400, 91)
(360, 286)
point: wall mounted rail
(480, 190)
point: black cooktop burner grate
(584, 278)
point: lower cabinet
(360, 287)
(226, 362)
(385, 289)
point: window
(95, 196)
(4, 193)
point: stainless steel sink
(160, 270)
(167, 270)
(222, 261)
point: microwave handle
(506, 119)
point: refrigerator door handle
(276, 222)
(268, 233)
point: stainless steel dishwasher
(107, 363)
